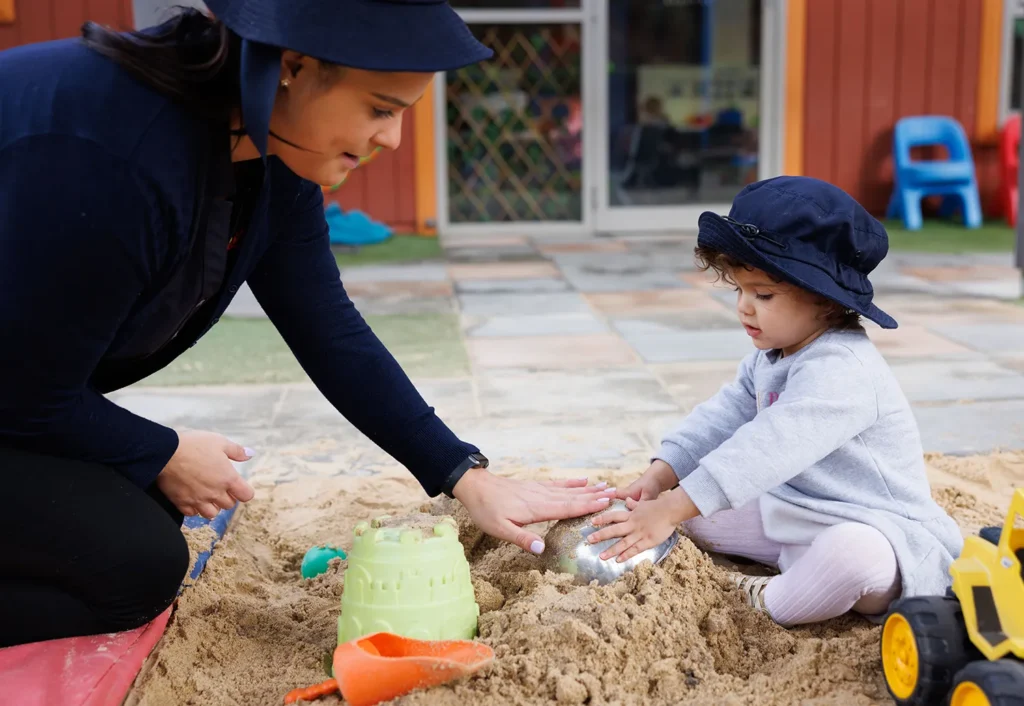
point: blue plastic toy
(354, 227)
(954, 179)
(317, 558)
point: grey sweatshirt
(820, 437)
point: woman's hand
(502, 506)
(644, 525)
(658, 478)
(199, 479)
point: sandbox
(251, 629)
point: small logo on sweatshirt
(766, 399)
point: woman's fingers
(207, 510)
(240, 489)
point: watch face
(480, 460)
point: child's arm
(829, 399)
(711, 422)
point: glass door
(685, 107)
(512, 127)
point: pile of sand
(251, 629)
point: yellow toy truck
(965, 648)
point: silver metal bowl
(566, 550)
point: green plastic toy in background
(408, 581)
(316, 559)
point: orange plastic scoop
(383, 666)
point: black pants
(83, 551)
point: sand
(251, 629)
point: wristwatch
(474, 460)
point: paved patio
(582, 352)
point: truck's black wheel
(924, 645)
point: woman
(143, 178)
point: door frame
(586, 224)
(616, 219)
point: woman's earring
(285, 82)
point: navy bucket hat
(806, 232)
(376, 35)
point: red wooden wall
(43, 20)
(385, 189)
(871, 62)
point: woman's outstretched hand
(502, 506)
(199, 479)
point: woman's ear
(292, 64)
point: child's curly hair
(836, 315)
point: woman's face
(333, 116)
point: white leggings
(847, 566)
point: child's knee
(864, 557)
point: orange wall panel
(871, 62)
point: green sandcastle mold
(403, 582)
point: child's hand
(647, 524)
(658, 478)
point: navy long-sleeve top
(115, 215)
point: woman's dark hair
(723, 265)
(192, 58)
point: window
(7, 12)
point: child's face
(777, 315)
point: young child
(810, 461)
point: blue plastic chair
(954, 179)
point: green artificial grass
(396, 249)
(951, 237)
(247, 351)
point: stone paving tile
(522, 304)
(630, 263)
(705, 281)
(244, 305)
(994, 339)
(653, 301)
(547, 443)
(923, 259)
(609, 395)
(484, 241)
(999, 289)
(659, 344)
(500, 253)
(693, 383)
(551, 352)
(584, 246)
(422, 272)
(503, 271)
(957, 381)
(963, 273)
(512, 286)
(539, 325)
(972, 428)
(929, 311)
(584, 280)
(210, 408)
(409, 289)
(695, 320)
(915, 342)
(304, 404)
(383, 306)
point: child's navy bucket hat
(806, 232)
(377, 35)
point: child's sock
(848, 566)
